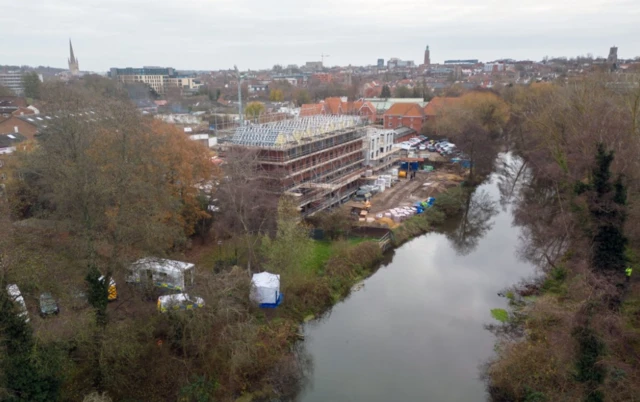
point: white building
(379, 151)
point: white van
(16, 296)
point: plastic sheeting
(265, 288)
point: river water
(415, 331)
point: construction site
(403, 193)
(317, 159)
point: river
(415, 331)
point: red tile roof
(438, 103)
(405, 109)
(332, 105)
(311, 109)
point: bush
(590, 347)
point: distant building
(74, 67)
(13, 81)
(612, 60)
(340, 106)
(158, 78)
(257, 88)
(397, 63)
(462, 62)
(313, 65)
(380, 63)
(427, 57)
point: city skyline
(212, 35)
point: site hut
(317, 160)
(162, 273)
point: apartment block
(316, 159)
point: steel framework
(289, 133)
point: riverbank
(329, 275)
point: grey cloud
(212, 34)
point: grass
(324, 249)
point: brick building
(339, 107)
(404, 114)
(317, 159)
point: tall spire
(74, 68)
(72, 58)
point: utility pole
(240, 120)
(322, 56)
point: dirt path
(398, 195)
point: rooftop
(283, 134)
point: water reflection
(415, 331)
(474, 222)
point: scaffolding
(284, 134)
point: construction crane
(322, 56)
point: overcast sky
(215, 34)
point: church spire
(74, 68)
(72, 58)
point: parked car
(422, 147)
(431, 148)
(48, 305)
(16, 296)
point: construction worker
(628, 272)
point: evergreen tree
(607, 207)
(31, 83)
(386, 91)
(28, 372)
(98, 295)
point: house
(10, 104)
(8, 143)
(19, 124)
(311, 109)
(404, 114)
(339, 107)
(257, 88)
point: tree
(386, 91)
(291, 248)
(276, 95)
(402, 92)
(302, 97)
(31, 83)
(607, 203)
(247, 202)
(29, 372)
(254, 109)
(475, 124)
(335, 224)
(4, 91)
(474, 223)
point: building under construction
(316, 159)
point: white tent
(265, 289)
(163, 273)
